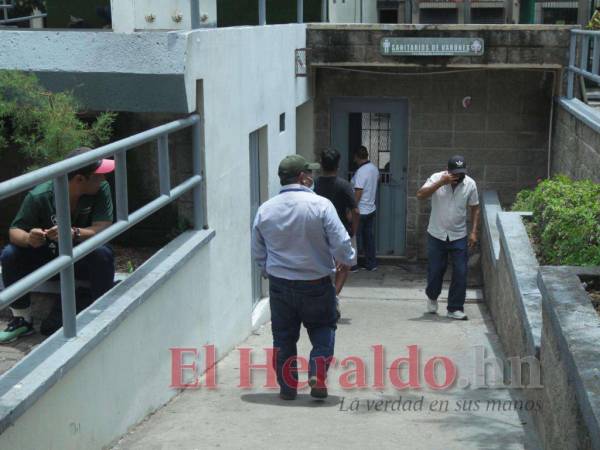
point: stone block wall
(538, 45)
(569, 360)
(575, 147)
(504, 132)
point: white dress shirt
(297, 234)
(448, 219)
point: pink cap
(106, 166)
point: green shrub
(566, 220)
(44, 126)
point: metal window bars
(68, 255)
(6, 5)
(262, 11)
(581, 40)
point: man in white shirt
(365, 182)
(295, 238)
(451, 192)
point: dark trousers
(98, 268)
(365, 239)
(294, 303)
(437, 256)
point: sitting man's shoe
(457, 315)
(16, 328)
(432, 306)
(53, 322)
(287, 395)
(317, 389)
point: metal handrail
(23, 19)
(64, 262)
(581, 39)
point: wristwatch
(76, 234)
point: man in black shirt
(341, 194)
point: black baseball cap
(457, 164)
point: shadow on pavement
(303, 400)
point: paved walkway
(385, 308)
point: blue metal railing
(582, 40)
(7, 5)
(58, 172)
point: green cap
(292, 165)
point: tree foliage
(44, 126)
(566, 216)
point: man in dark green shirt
(33, 239)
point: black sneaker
(354, 269)
(16, 328)
(317, 389)
(285, 395)
(53, 321)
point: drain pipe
(551, 126)
(361, 11)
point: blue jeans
(309, 303)
(365, 239)
(437, 255)
(98, 267)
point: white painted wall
(128, 374)
(248, 81)
(348, 11)
(131, 15)
(305, 130)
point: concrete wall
(510, 278)
(249, 79)
(543, 312)
(503, 133)
(348, 11)
(569, 358)
(305, 130)
(509, 268)
(575, 147)
(525, 45)
(118, 369)
(130, 15)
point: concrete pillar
(416, 11)
(538, 13)
(466, 13)
(584, 12)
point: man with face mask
(451, 192)
(296, 237)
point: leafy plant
(566, 220)
(44, 126)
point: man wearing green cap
(296, 237)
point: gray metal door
(381, 124)
(254, 204)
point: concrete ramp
(381, 417)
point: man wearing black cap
(451, 192)
(296, 237)
(33, 239)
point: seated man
(33, 239)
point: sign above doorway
(431, 46)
